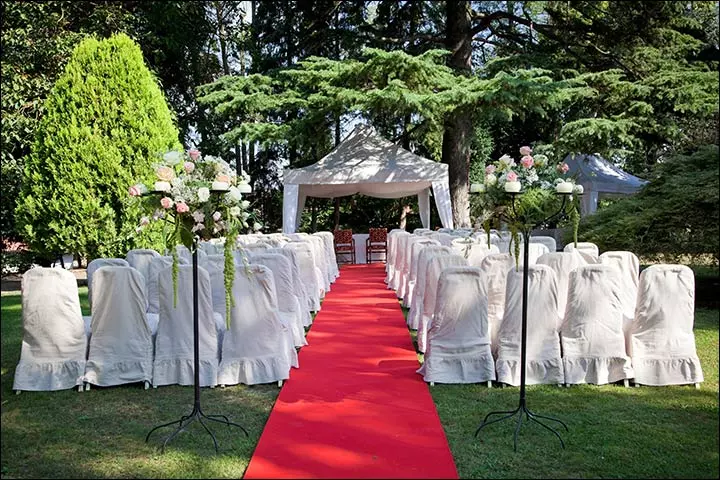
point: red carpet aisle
(355, 408)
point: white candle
(512, 187)
(220, 186)
(564, 187)
(162, 186)
(244, 188)
(477, 188)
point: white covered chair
(391, 250)
(255, 348)
(329, 248)
(321, 262)
(308, 272)
(98, 263)
(54, 344)
(562, 263)
(121, 342)
(151, 281)
(214, 265)
(174, 361)
(458, 341)
(411, 277)
(662, 342)
(140, 258)
(543, 358)
(549, 242)
(432, 277)
(589, 251)
(495, 268)
(288, 304)
(591, 334)
(424, 257)
(473, 252)
(629, 266)
(396, 259)
(404, 264)
(298, 285)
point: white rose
(490, 179)
(203, 194)
(245, 216)
(217, 216)
(234, 194)
(172, 158)
(176, 182)
(245, 204)
(235, 211)
(257, 226)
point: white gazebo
(366, 163)
(600, 177)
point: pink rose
(527, 161)
(193, 153)
(511, 176)
(181, 207)
(189, 167)
(490, 169)
(166, 202)
(134, 191)
(563, 168)
(525, 151)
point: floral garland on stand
(539, 180)
(202, 198)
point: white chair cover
(288, 304)
(211, 248)
(297, 284)
(255, 348)
(308, 272)
(444, 238)
(588, 250)
(391, 249)
(424, 257)
(435, 268)
(549, 242)
(419, 231)
(458, 342)
(321, 263)
(121, 344)
(629, 266)
(140, 259)
(330, 259)
(174, 361)
(410, 277)
(54, 344)
(543, 359)
(591, 333)
(399, 245)
(256, 247)
(562, 263)
(153, 292)
(101, 262)
(662, 342)
(495, 268)
(403, 268)
(474, 252)
(214, 265)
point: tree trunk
(458, 124)
(313, 216)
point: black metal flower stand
(522, 407)
(196, 414)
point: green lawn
(614, 432)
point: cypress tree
(105, 122)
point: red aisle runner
(355, 408)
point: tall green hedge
(105, 122)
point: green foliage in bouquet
(103, 120)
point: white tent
(368, 164)
(598, 176)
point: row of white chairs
(589, 320)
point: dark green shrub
(675, 214)
(105, 121)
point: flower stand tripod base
(197, 414)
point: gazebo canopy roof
(596, 174)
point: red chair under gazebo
(376, 243)
(344, 245)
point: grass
(615, 432)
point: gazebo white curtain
(368, 164)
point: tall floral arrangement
(538, 179)
(196, 198)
